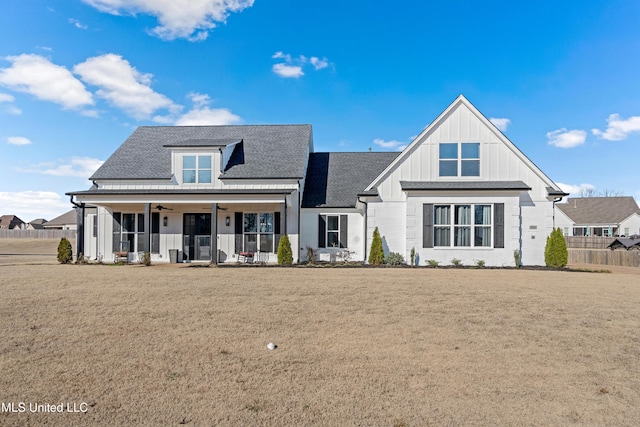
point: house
(628, 244)
(66, 221)
(460, 190)
(36, 224)
(599, 216)
(11, 222)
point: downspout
(79, 227)
(298, 249)
(553, 217)
(366, 207)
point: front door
(197, 236)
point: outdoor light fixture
(165, 221)
(227, 221)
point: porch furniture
(122, 253)
(245, 257)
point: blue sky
(561, 79)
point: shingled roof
(599, 210)
(266, 151)
(336, 179)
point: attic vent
(533, 227)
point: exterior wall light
(227, 221)
(165, 221)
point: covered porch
(219, 229)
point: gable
(460, 124)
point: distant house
(11, 222)
(36, 224)
(626, 243)
(459, 190)
(66, 221)
(599, 216)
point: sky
(560, 79)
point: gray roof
(266, 151)
(336, 179)
(624, 242)
(10, 221)
(599, 210)
(463, 185)
(64, 219)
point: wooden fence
(605, 257)
(37, 234)
(591, 242)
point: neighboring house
(11, 222)
(460, 190)
(66, 221)
(36, 224)
(599, 216)
(626, 243)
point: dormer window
(196, 169)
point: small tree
(376, 254)
(65, 253)
(285, 256)
(555, 252)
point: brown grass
(398, 347)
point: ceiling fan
(160, 208)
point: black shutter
(498, 225)
(343, 231)
(238, 231)
(276, 230)
(322, 231)
(117, 228)
(427, 225)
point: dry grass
(397, 347)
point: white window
(258, 232)
(196, 169)
(459, 159)
(333, 231)
(127, 232)
(462, 225)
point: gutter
(366, 207)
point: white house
(460, 190)
(599, 216)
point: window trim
(258, 233)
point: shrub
(456, 262)
(480, 263)
(555, 252)
(65, 253)
(285, 256)
(376, 254)
(432, 263)
(413, 256)
(146, 259)
(81, 259)
(311, 255)
(516, 258)
(394, 258)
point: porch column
(214, 233)
(80, 229)
(283, 218)
(146, 237)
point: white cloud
(177, 18)
(79, 167)
(391, 145)
(38, 76)
(5, 97)
(18, 140)
(576, 190)
(29, 205)
(318, 63)
(292, 67)
(288, 71)
(500, 123)
(564, 138)
(123, 86)
(618, 128)
(78, 24)
(201, 114)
